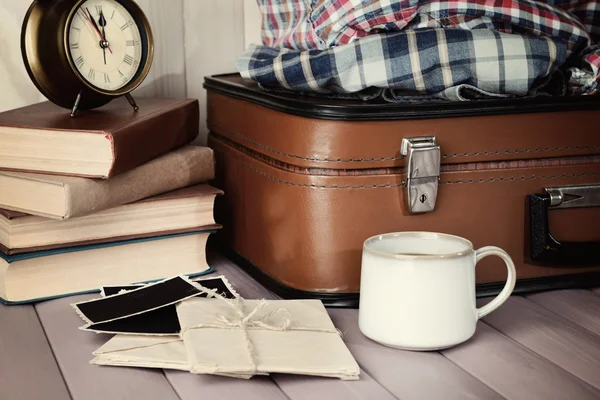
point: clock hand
(89, 17)
(85, 19)
(102, 20)
(102, 23)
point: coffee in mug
(417, 289)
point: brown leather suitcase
(307, 180)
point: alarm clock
(82, 54)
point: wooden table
(542, 346)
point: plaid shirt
(321, 24)
(498, 47)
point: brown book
(183, 210)
(63, 197)
(99, 143)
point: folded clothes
(424, 62)
(436, 49)
(322, 24)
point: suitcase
(307, 180)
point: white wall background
(193, 39)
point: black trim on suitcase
(232, 85)
(351, 300)
(345, 300)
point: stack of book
(110, 197)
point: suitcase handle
(543, 247)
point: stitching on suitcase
(467, 181)
(484, 153)
(520, 178)
(305, 158)
(539, 149)
(255, 170)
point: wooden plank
(547, 334)
(73, 350)
(307, 388)
(167, 76)
(212, 46)
(252, 23)
(408, 375)
(27, 366)
(581, 307)
(16, 87)
(514, 371)
(189, 386)
(405, 375)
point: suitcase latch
(423, 173)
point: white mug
(417, 289)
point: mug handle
(510, 282)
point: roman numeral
(75, 46)
(132, 42)
(77, 29)
(128, 59)
(127, 25)
(79, 62)
(106, 78)
(98, 10)
(113, 14)
(92, 74)
(120, 73)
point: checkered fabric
(423, 62)
(586, 11)
(425, 48)
(321, 24)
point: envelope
(249, 337)
(137, 343)
(164, 352)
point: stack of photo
(108, 197)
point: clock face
(105, 44)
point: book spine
(154, 136)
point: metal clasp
(423, 172)
(574, 196)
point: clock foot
(132, 101)
(76, 106)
